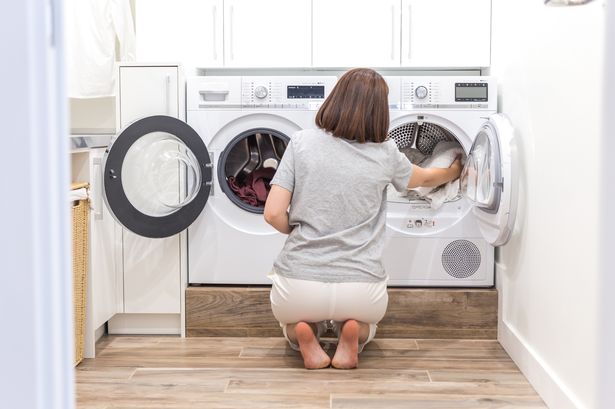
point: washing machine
(452, 246)
(246, 123)
(210, 174)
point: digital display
(471, 91)
(305, 91)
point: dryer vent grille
(461, 258)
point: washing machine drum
(248, 164)
(424, 137)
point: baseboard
(145, 324)
(548, 385)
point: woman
(334, 179)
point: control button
(421, 92)
(260, 92)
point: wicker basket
(80, 213)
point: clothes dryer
(452, 246)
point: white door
(267, 33)
(488, 180)
(188, 32)
(446, 33)
(350, 33)
(151, 268)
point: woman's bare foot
(314, 357)
(347, 352)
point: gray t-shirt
(338, 206)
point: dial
(260, 92)
(420, 92)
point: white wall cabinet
(350, 33)
(445, 33)
(188, 32)
(151, 267)
(267, 33)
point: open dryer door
(157, 176)
(488, 181)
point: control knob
(421, 92)
(260, 92)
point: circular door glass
(160, 175)
(481, 173)
(157, 176)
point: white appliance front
(230, 243)
(453, 245)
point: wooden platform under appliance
(412, 313)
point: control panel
(285, 92)
(445, 92)
(259, 92)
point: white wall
(549, 63)
(606, 351)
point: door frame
(36, 283)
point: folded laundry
(443, 156)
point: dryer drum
(428, 136)
(248, 164)
(423, 137)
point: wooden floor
(191, 373)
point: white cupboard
(267, 33)
(188, 32)
(446, 33)
(350, 33)
(105, 284)
(151, 267)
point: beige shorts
(327, 304)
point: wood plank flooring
(192, 373)
(411, 313)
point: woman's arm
(276, 209)
(433, 177)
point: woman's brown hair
(358, 107)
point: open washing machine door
(157, 176)
(489, 182)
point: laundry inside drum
(248, 165)
(427, 144)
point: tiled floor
(166, 372)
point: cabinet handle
(392, 32)
(231, 32)
(98, 194)
(409, 31)
(167, 85)
(215, 12)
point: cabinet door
(105, 278)
(151, 266)
(446, 33)
(350, 33)
(267, 33)
(183, 31)
(146, 91)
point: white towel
(443, 156)
(78, 194)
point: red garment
(261, 179)
(245, 193)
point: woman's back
(338, 206)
